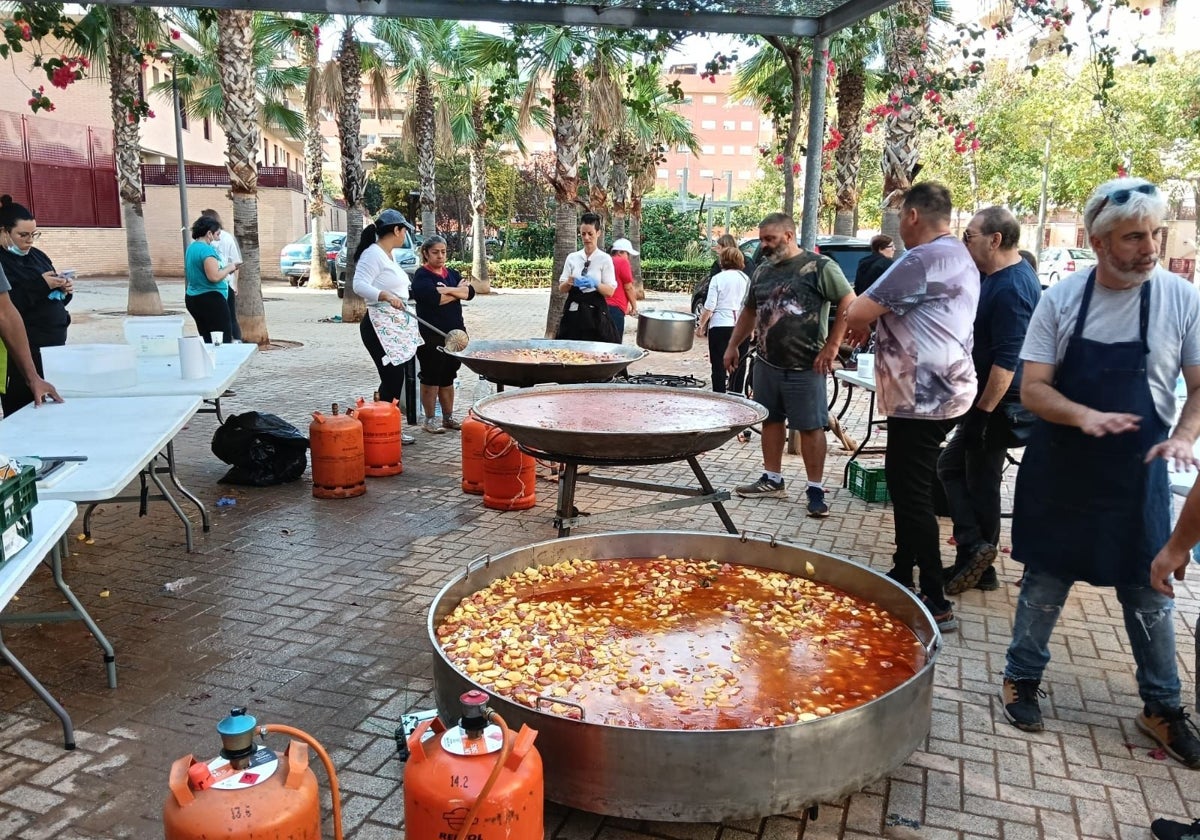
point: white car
(1057, 263)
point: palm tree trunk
(620, 192)
(851, 94)
(568, 137)
(900, 152)
(123, 72)
(789, 49)
(318, 269)
(426, 154)
(354, 178)
(240, 119)
(635, 237)
(479, 258)
(600, 176)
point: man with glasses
(1104, 350)
(971, 467)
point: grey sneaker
(407, 439)
(450, 423)
(432, 426)
(764, 488)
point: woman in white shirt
(589, 280)
(389, 334)
(726, 292)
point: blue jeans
(1148, 624)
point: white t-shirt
(599, 267)
(1114, 315)
(377, 272)
(230, 254)
(726, 291)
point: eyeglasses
(37, 234)
(1120, 197)
(968, 236)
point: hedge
(657, 275)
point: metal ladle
(456, 340)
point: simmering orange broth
(678, 644)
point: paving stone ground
(313, 613)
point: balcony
(167, 175)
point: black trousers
(391, 377)
(718, 343)
(972, 482)
(210, 311)
(234, 327)
(16, 390)
(910, 465)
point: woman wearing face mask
(439, 292)
(39, 293)
(207, 294)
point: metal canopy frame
(816, 19)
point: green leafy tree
(372, 196)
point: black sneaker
(943, 616)
(978, 560)
(988, 582)
(1174, 731)
(817, 508)
(1172, 830)
(902, 577)
(1019, 699)
(764, 488)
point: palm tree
(851, 96)
(605, 108)
(905, 52)
(314, 142)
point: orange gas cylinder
(509, 475)
(474, 781)
(381, 436)
(248, 792)
(473, 431)
(338, 471)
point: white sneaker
(432, 426)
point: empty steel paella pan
(711, 775)
(487, 358)
(619, 422)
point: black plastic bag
(263, 449)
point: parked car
(1056, 263)
(406, 258)
(846, 251)
(295, 257)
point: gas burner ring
(668, 380)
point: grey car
(406, 258)
(295, 257)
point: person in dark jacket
(39, 293)
(439, 292)
(883, 252)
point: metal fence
(65, 173)
(157, 174)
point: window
(747, 125)
(662, 173)
(154, 73)
(276, 155)
(747, 150)
(266, 151)
(207, 128)
(708, 124)
(727, 150)
(183, 114)
(709, 100)
(687, 100)
(706, 173)
(729, 125)
(708, 150)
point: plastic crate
(18, 495)
(868, 483)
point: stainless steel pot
(665, 330)
(709, 776)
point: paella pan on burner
(619, 422)
(536, 361)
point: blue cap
(394, 217)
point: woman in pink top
(624, 299)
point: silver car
(1057, 263)
(406, 258)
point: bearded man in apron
(1104, 349)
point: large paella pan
(616, 421)
(536, 361)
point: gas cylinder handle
(541, 697)
(772, 539)
(482, 561)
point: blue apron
(1088, 508)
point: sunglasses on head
(1120, 197)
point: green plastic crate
(18, 495)
(868, 483)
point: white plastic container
(866, 365)
(90, 368)
(154, 335)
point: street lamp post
(728, 199)
(183, 208)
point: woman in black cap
(388, 333)
(39, 293)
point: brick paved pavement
(312, 613)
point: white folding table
(123, 439)
(159, 376)
(51, 519)
(853, 379)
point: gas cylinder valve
(475, 713)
